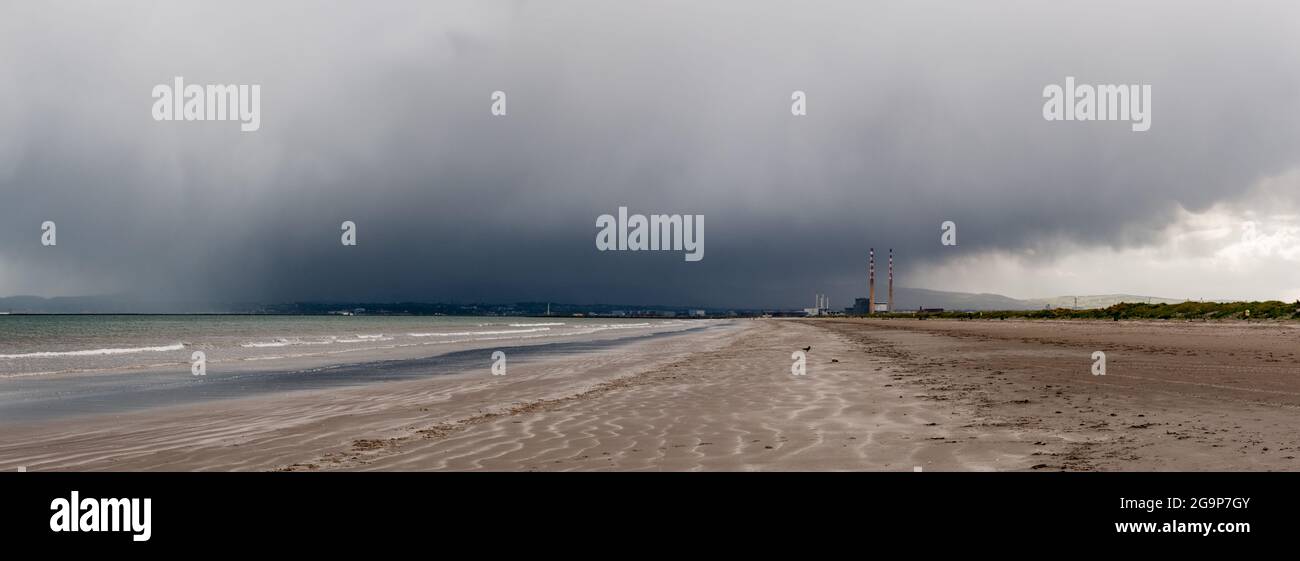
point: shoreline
(933, 395)
(278, 430)
(107, 393)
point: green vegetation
(1271, 310)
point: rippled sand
(878, 395)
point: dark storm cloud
(918, 113)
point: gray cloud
(918, 113)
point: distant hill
(913, 298)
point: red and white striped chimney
(871, 281)
(891, 280)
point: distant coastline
(912, 302)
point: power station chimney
(871, 281)
(891, 280)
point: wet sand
(890, 395)
(35, 398)
(332, 426)
(736, 407)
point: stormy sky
(379, 113)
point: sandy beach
(891, 395)
(1178, 396)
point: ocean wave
(95, 370)
(257, 345)
(285, 342)
(535, 324)
(295, 341)
(98, 352)
(475, 333)
(365, 339)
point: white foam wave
(97, 352)
(285, 342)
(365, 339)
(475, 333)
